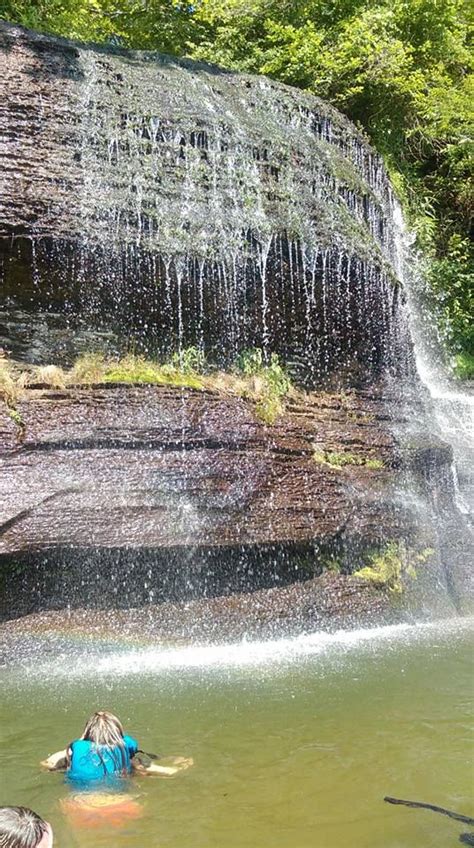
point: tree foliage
(399, 68)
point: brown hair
(21, 828)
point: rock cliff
(179, 204)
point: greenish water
(295, 743)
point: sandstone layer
(128, 495)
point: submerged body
(96, 809)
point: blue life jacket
(92, 763)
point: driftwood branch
(420, 804)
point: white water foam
(251, 654)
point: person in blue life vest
(105, 753)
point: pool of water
(295, 742)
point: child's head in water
(22, 828)
(104, 728)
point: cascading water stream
(452, 408)
(261, 596)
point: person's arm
(180, 764)
(56, 762)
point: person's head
(104, 728)
(22, 828)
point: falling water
(196, 207)
(162, 203)
(452, 407)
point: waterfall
(161, 204)
(189, 206)
(452, 408)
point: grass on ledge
(131, 369)
(9, 389)
(263, 385)
(389, 568)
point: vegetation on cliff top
(399, 69)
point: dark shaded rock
(328, 602)
(45, 337)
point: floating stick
(457, 816)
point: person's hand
(179, 764)
(183, 762)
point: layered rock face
(177, 467)
(181, 204)
(155, 493)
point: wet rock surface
(168, 204)
(165, 204)
(118, 127)
(143, 467)
(329, 602)
(45, 337)
(121, 496)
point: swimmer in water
(104, 751)
(96, 764)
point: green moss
(424, 555)
(191, 360)
(384, 569)
(331, 563)
(374, 464)
(360, 417)
(269, 408)
(16, 417)
(151, 374)
(88, 368)
(94, 368)
(388, 568)
(339, 460)
(9, 389)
